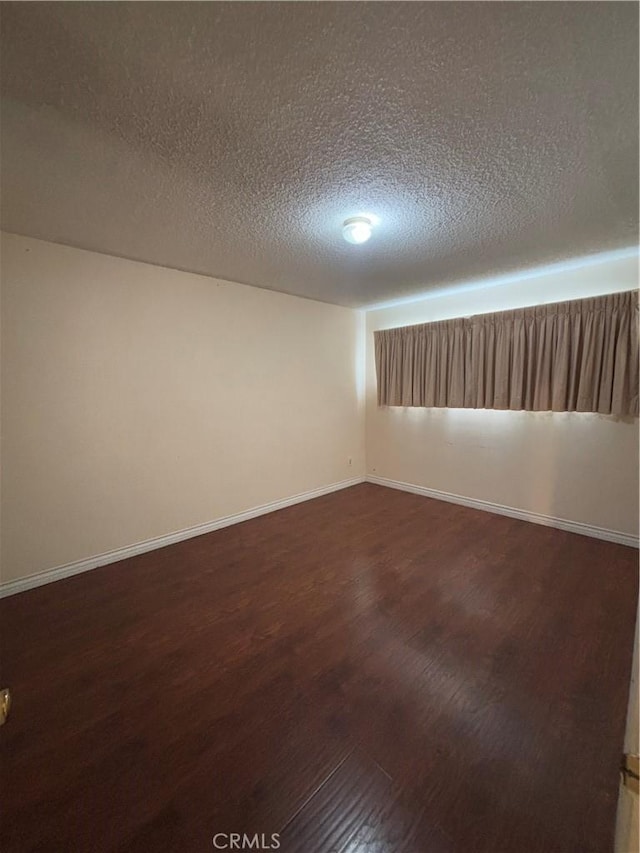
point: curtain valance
(577, 356)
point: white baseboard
(75, 568)
(522, 514)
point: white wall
(138, 401)
(579, 467)
(628, 817)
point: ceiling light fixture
(357, 229)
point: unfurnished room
(319, 427)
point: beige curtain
(579, 356)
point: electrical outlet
(350, 461)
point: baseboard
(522, 514)
(66, 571)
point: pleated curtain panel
(578, 356)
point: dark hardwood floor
(368, 671)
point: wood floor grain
(368, 671)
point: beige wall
(138, 401)
(580, 467)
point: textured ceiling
(232, 139)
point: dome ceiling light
(357, 229)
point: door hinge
(631, 771)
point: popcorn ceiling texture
(233, 139)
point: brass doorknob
(5, 704)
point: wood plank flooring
(368, 671)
